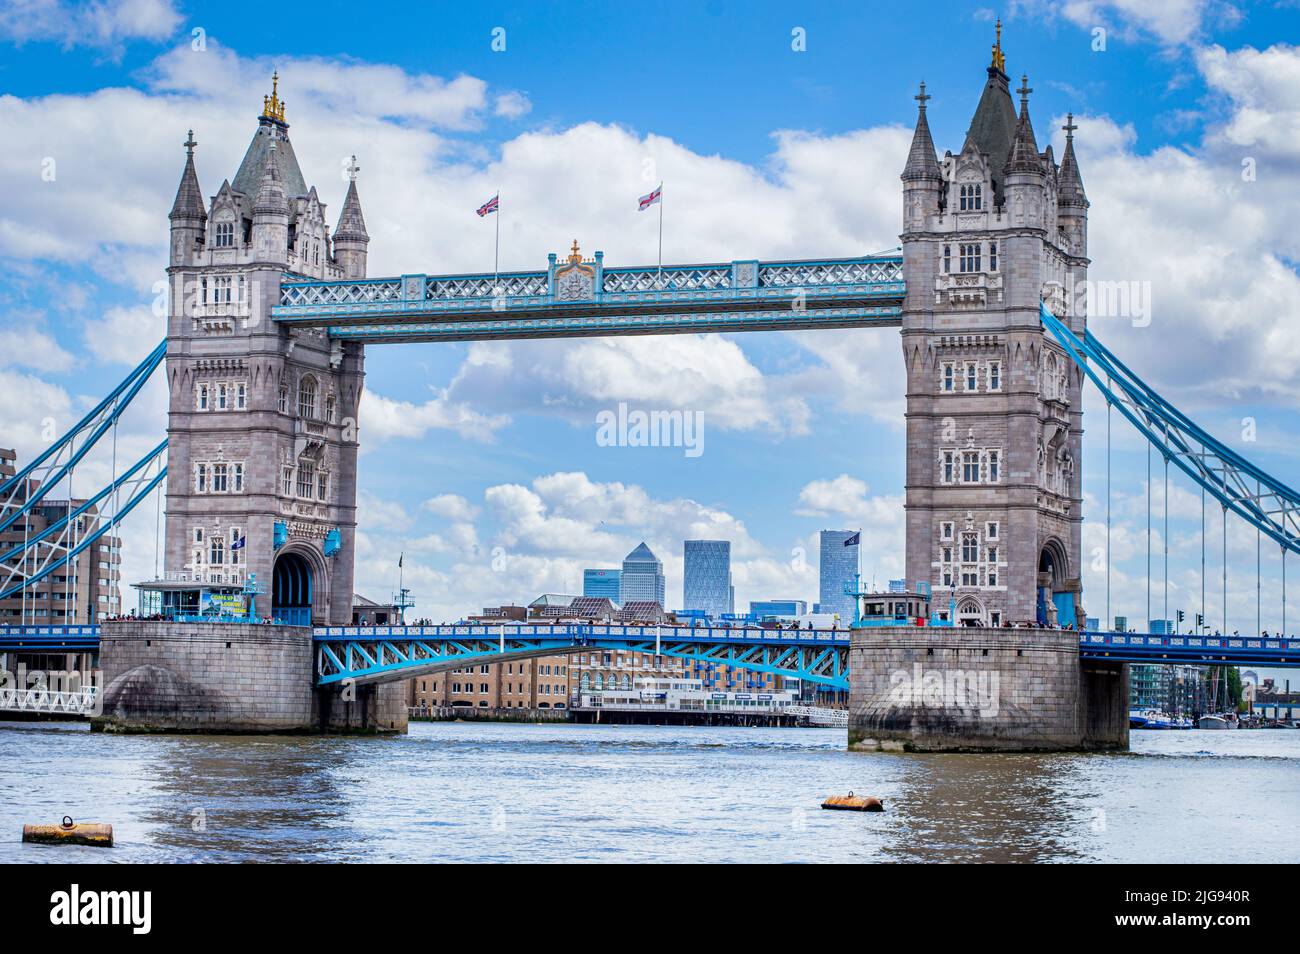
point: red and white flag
(652, 198)
(490, 206)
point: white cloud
(124, 335)
(1169, 22)
(96, 23)
(451, 506)
(385, 419)
(512, 105)
(30, 348)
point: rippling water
(496, 792)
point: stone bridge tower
(261, 431)
(994, 419)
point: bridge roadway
(378, 654)
(581, 298)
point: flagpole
(496, 252)
(661, 235)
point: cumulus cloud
(99, 23)
(384, 419)
(1168, 22)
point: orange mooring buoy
(70, 833)
(854, 803)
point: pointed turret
(351, 240)
(271, 213)
(922, 177)
(188, 217)
(1071, 182)
(1071, 201)
(921, 161)
(1023, 156)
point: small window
(993, 256)
(947, 479)
(284, 400)
(220, 479)
(991, 530)
(970, 467)
(200, 486)
(947, 259)
(286, 482)
(993, 467)
(225, 234)
(216, 551)
(970, 257)
(947, 377)
(970, 376)
(223, 397)
(322, 486)
(995, 376)
(241, 396)
(203, 397)
(237, 478)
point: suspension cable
(1259, 605)
(1225, 572)
(1204, 621)
(1148, 620)
(1110, 620)
(1166, 542)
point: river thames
(478, 792)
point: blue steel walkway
(581, 298)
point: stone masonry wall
(226, 677)
(973, 689)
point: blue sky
(480, 461)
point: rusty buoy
(70, 833)
(854, 803)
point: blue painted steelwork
(50, 468)
(55, 528)
(735, 296)
(1199, 650)
(387, 653)
(144, 488)
(375, 654)
(49, 638)
(1240, 486)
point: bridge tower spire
(994, 423)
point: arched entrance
(291, 590)
(1054, 606)
(970, 612)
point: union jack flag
(648, 200)
(488, 207)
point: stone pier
(932, 689)
(229, 677)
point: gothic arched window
(225, 234)
(307, 397)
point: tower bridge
(260, 457)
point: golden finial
(273, 105)
(574, 256)
(999, 58)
